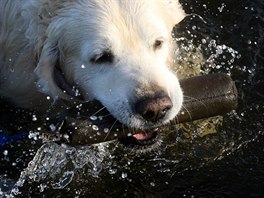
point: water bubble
(42, 187)
(93, 118)
(83, 66)
(212, 43)
(52, 127)
(222, 7)
(33, 135)
(77, 92)
(79, 107)
(34, 118)
(112, 171)
(124, 175)
(66, 136)
(64, 180)
(5, 152)
(95, 127)
(15, 191)
(204, 41)
(106, 130)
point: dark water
(229, 163)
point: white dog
(114, 51)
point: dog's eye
(105, 57)
(157, 44)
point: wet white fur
(35, 34)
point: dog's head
(117, 52)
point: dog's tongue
(143, 136)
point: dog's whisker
(89, 116)
(123, 129)
(197, 15)
(187, 112)
(103, 116)
(110, 130)
(98, 111)
(176, 120)
(132, 150)
(196, 100)
(189, 97)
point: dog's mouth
(143, 138)
(86, 129)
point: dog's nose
(154, 108)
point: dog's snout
(154, 108)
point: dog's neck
(64, 85)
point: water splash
(202, 59)
(55, 165)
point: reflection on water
(220, 160)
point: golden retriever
(59, 52)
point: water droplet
(42, 187)
(93, 117)
(94, 127)
(34, 118)
(52, 127)
(112, 171)
(64, 180)
(106, 130)
(66, 136)
(5, 152)
(124, 175)
(222, 7)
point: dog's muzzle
(154, 108)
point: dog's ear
(45, 72)
(176, 13)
